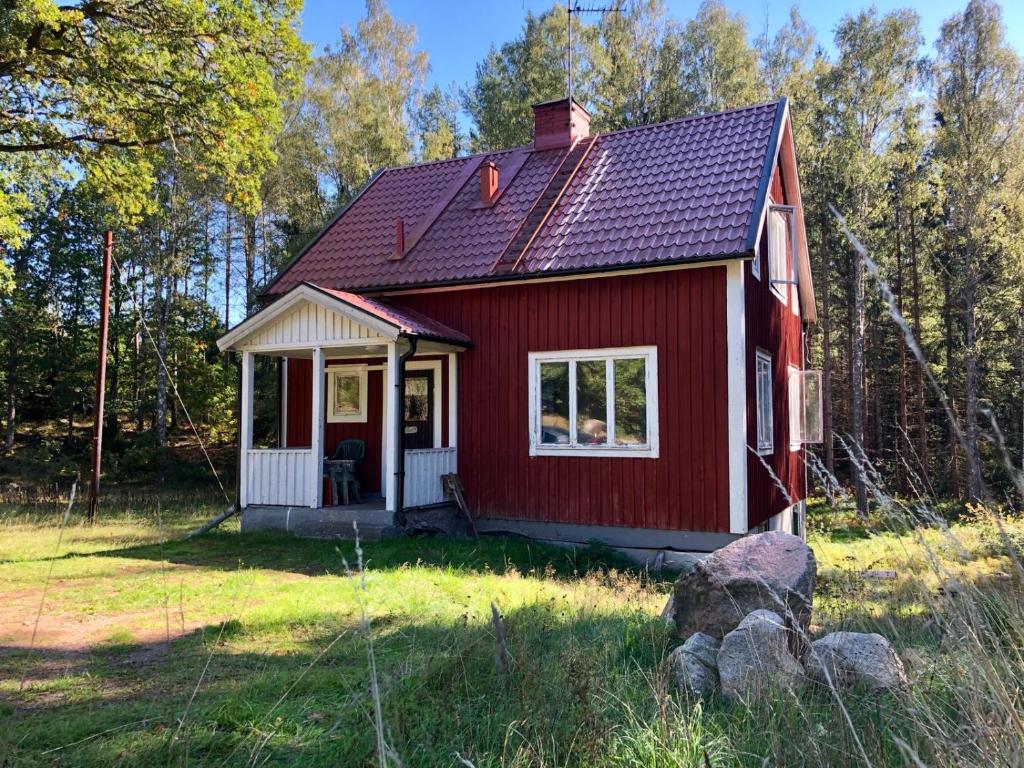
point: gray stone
(755, 659)
(773, 570)
(694, 665)
(856, 658)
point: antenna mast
(570, 9)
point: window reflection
(591, 402)
(630, 402)
(554, 403)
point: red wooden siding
(682, 312)
(300, 394)
(771, 326)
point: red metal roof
(676, 191)
(406, 320)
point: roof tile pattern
(680, 190)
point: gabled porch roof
(309, 316)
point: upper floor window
(763, 389)
(594, 402)
(805, 409)
(781, 250)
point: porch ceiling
(309, 317)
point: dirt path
(61, 631)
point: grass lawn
(250, 650)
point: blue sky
(457, 34)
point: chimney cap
(563, 100)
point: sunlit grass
(277, 621)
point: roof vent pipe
(488, 183)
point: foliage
(361, 93)
(528, 70)
(918, 155)
(717, 66)
(437, 125)
(104, 85)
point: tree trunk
(249, 250)
(857, 386)
(921, 406)
(952, 445)
(1020, 394)
(172, 363)
(227, 266)
(11, 402)
(112, 424)
(163, 317)
(902, 440)
(826, 353)
(973, 455)
(141, 303)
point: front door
(418, 427)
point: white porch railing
(423, 470)
(283, 476)
(279, 476)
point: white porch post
(245, 430)
(453, 400)
(283, 433)
(317, 435)
(394, 445)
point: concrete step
(325, 522)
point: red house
(603, 335)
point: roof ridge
(687, 118)
(529, 146)
(459, 159)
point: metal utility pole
(101, 377)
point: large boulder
(693, 666)
(773, 570)
(855, 658)
(755, 659)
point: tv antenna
(578, 9)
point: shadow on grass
(440, 687)
(316, 557)
(576, 679)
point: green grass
(268, 663)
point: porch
(354, 369)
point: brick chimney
(488, 183)
(559, 123)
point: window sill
(361, 419)
(765, 451)
(618, 452)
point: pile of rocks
(745, 612)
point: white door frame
(412, 365)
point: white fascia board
(305, 292)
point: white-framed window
(755, 265)
(805, 408)
(794, 392)
(781, 241)
(763, 387)
(594, 402)
(346, 393)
